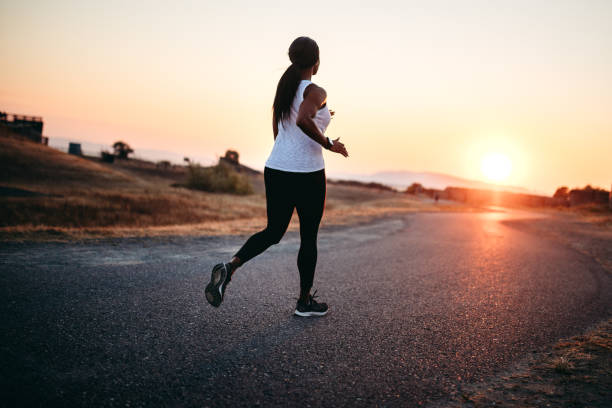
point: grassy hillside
(83, 197)
(24, 163)
(80, 192)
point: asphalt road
(420, 305)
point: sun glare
(496, 167)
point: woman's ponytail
(285, 91)
(303, 53)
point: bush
(354, 183)
(107, 157)
(415, 188)
(163, 164)
(221, 178)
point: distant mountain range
(402, 179)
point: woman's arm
(314, 98)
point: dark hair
(303, 53)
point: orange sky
(421, 86)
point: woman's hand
(338, 147)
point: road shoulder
(575, 372)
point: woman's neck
(306, 74)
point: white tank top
(293, 149)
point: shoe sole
(214, 290)
(310, 314)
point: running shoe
(219, 278)
(311, 307)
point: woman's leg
(279, 206)
(310, 203)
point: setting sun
(496, 167)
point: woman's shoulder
(316, 89)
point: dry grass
(597, 214)
(42, 168)
(86, 194)
(576, 373)
(89, 199)
(562, 364)
(208, 214)
(123, 209)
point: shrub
(354, 183)
(415, 188)
(107, 157)
(221, 178)
(163, 164)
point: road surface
(420, 304)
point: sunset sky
(422, 86)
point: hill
(66, 191)
(32, 165)
(46, 193)
(439, 181)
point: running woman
(294, 175)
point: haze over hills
(402, 179)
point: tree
(122, 150)
(562, 192)
(231, 156)
(414, 188)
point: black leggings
(284, 192)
